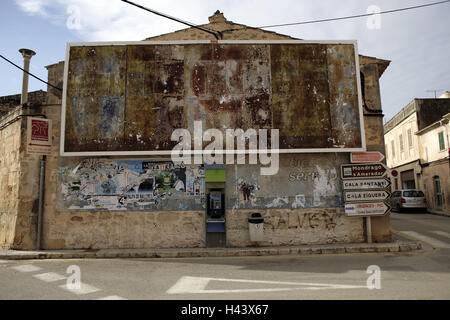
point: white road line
(432, 241)
(26, 268)
(442, 233)
(84, 289)
(3, 261)
(198, 285)
(49, 277)
(112, 298)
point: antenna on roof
(435, 92)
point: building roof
(235, 31)
(428, 110)
(7, 103)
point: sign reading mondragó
(370, 170)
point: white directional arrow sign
(366, 209)
(366, 184)
(354, 196)
(363, 157)
(369, 170)
(198, 285)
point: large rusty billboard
(128, 98)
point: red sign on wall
(39, 136)
(364, 157)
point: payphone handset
(215, 207)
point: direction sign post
(369, 170)
(364, 157)
(356, 196)
(366, 184)
(367, 209)
(364, 177)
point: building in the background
(8, 103)
(417, 143)
(144, 201)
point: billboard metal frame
(192, 152)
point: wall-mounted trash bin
(256, 227)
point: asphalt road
(424, 275)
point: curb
(397, 246)
(439, 213)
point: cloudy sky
(417, 41)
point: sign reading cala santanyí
(366, 184)
(39, 136)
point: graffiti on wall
(312, 182)
(131, 185)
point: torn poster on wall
(131, 185)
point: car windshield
(413, 194)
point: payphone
(215, 219)
(215, 205)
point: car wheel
(398, 208)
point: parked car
(408, 199)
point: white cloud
(33, 7)
(415, 41)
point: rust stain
(132, 97)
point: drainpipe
(41, 202)
(27, 54)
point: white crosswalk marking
(84, 289)
(112, 298)
(26, 268)
(49, 277)
(442, 233)
(434, 242)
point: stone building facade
(73, 220)
(417, 147)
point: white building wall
(403, 133)
(429, 143)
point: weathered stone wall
(103, 229)
(373, 125)
(9, 177)
(295, 227)
(100, 229)
(9, 103)
(19, 184)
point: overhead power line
(29, 73)
(355, 16)
(215, 33)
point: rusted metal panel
(300, 95)
(132, 97)
(96, 98)
(343, 96)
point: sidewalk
(439, 213)
(398, 245)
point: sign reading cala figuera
(353, 196)
(369, 170)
